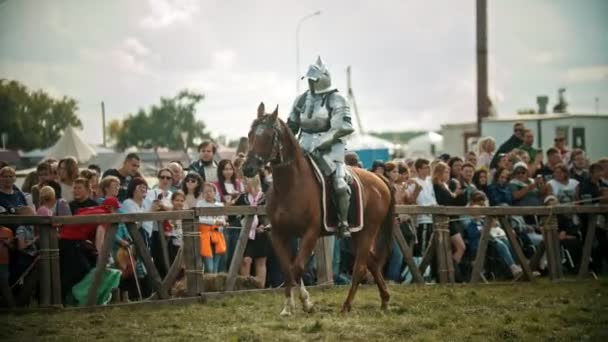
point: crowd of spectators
(514, 174)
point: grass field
(525, 312)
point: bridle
(276, 158)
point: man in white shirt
(426, 197)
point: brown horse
(294, 208)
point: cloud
(133, 45)
(586, 74)
(167, 12)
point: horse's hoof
(285, 313)
(384, 306)
(346, 308)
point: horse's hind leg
(374, 268)
(282, 249)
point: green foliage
(162, 125)
(526, 111)
(33, 119)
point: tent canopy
(71, 144)
(357, 142)
(427, 144)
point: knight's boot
(343, 202)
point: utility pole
(351, 97)
(482, 63)
(103, 123)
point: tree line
(33, 119)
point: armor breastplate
(315, 117)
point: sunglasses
(165, 177)
(191, 180)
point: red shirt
(83, 231)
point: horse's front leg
(306, 246)
(283, 251)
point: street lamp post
(298, 48)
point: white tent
(425, 145)
(358, 142)
(71, 144)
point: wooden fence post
(144, 254)
(583, 270)
(239, 251)
(162, 240)
(55, 267)
(45, 266)
(324, 259)
(194, 273)
(521, 258)
(440, 227)
(102, 262)
(407, 255)
(549, 246)
(481, 251)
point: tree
(162, 125)
(33, 119)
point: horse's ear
(275, 113)
(261, 110)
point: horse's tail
(384, 241)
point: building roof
(534, 117)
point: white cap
(520, 164)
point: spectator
(68, 172)
(578, 170)
(109, 186)
(378, 167)
(351, 159)
(395, 261)
(128, 171)
(564, 188)
(533, 165)
(472, 233)
(6, 244)
(178, 175)
(27, 238)
(62, 207)
(82, 196)
(258, 247)
(10, 195)
(500, 192)
(158, 199)
(553, 159)
(136, 194)
(444, 157)
(471, 158)
(212, 242)
(604, 164)
(528, 144)
(205, 166)
(426, 197)
(238, 164)
(480, 179)
(192, 186)
(441, 176)
(466, 179)
(526, 191)
(95, 167)
(227, 185)
(560, 144)
(513, 142)
(592, 193)
(486, 147)
(455, 164)
(45, 173)
(175, 232)
(93, 179)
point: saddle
(329, 218)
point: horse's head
(264, 141)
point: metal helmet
(319, 79)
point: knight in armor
(321, 116)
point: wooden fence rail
(438, 252)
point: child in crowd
(473, 230)
(212, 243)
(174, 227)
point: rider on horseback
(322, 116)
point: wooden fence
(188, 257)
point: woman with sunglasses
(192, 186)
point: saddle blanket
(328, 206)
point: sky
(413, 61)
